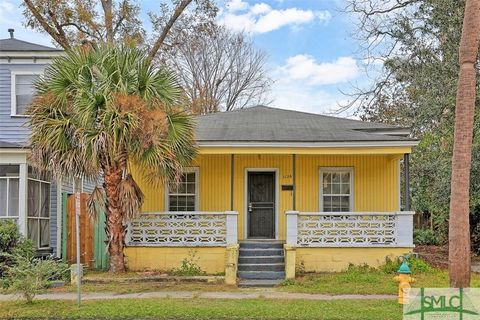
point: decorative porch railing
(350, 229)
(183, 229)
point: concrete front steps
(261, 263)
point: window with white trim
(23, 91)
(336, 189)
(184, 195)
(9, 191)
(38, 211)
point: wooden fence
(93, 250)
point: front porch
(328, 207)
(315, 241)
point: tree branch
(178, 11)
(79, 28)
(56, 34)
(108, 16)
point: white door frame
(277, 198)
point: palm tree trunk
(459, 230)
(115, 224)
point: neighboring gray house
(33, 201)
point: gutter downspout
(406, 171)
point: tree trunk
(459, 230)
(108, 18)
(115, 225)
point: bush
(356, 271)
(425, 237)
(29, 276)
(475, 231)
(189, 267)
(416, 265)
(12, 243)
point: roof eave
(31, 54)
(302, 144)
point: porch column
(404, 228)
(292, 227)
(22, 199)
(294, 182)
(232, 172)
(231, 226)
(406, 171)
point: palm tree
(459, 235)
(100, 110)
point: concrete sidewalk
(203, 295)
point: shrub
(475, 231)
(189, 266)
(425, 237)
(12, 243)
(28, 276)
(417, 265)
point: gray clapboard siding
(13, 129)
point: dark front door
(261, 205)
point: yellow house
(273, 191)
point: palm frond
(131, 197)
(96, 202)
(104, 107)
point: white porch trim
(350, 229)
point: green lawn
(206, 309)
(358, 281)
(137, 287)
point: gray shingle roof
(266, 124)
(9, 145)
(12, 44)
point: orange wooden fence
(86, 232)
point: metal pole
(77, 236)
(406, 171)
(294, 191)
(232, 181)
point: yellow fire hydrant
(404, 279)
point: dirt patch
(437, 256)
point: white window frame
(8, 178)
(13, 97)
(336, 170)
(41, 218)
(197, 190)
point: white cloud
(261, 18)
(6, 11)
(11, 17)
(304, 84)
(296, 95)
(260, 8)
(236, 5)
(305, 67)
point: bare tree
(459, 227)
(220, 70)
(377, 30)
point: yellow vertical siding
(214, 185)
(375, 183)
(214, 188)
(154, 194)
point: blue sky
(312, 56)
